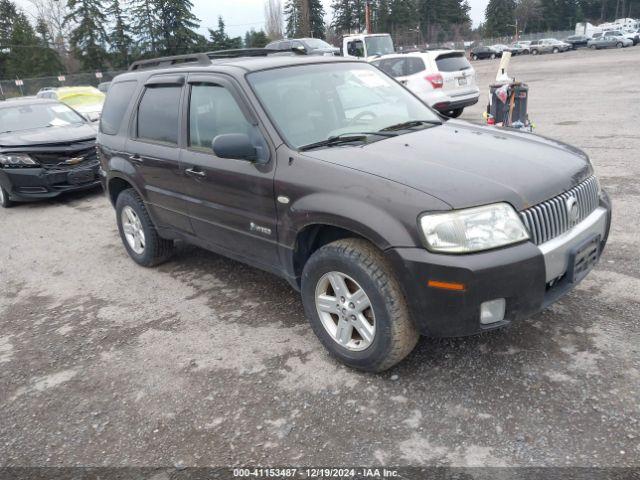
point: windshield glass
(379, 45)
(311, 103)
(27, 117)
(317, 43)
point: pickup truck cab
(367, 46)
(389, 219)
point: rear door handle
(135, 158)
(195, 173)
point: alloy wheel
(345, 311)
(133, 231)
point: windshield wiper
(345, 138)
(410, 124)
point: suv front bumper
(527, 276)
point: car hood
(466, 165)
(48, 136)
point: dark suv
(390, 220)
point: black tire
(455, 113)
(493, 56)
(395, 334)
(5, 202)
(534, 52)
(474, 57)
(156, 249)
(526, 52)
(555, 50)
(593, 47)
(619, 45)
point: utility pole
(367, 16)
(305, 24)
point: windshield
(311, 103)
(317, 43)
(381, 45)
(28, 117)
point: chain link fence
(31, 86)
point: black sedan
(480, 53)
(46, 148)
(577, 41)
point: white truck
(367, 45)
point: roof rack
(205, 58)
(163, 62)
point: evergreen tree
(499, 14)
(119, 37)
(145, 25)
(297, 26)
(46, 59)
(176, 27)
(253, 39)
(23, 44)
(88, 38)
(348, 16)
(219, 40)
(292, 18)
(316, 19)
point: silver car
(609, 41)
(548, 45)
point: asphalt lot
(205, 361)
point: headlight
(473, 229)
(16, 160)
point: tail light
(436, 80)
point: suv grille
(551, 218)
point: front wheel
(5, 202)
(555, 50)
(534, 52)
(455, 113)
(474, 57)
(356, 307)
(619, 45)
(138, 233)
(493, 55)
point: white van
(443, 79)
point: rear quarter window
(414, 65)
(115, 106)
(452, 63)
(158, 114)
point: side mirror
(234, 145)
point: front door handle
(135, 158)
(195, 173)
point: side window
(158, 114)
(414, 65)
(115, 106)
(395, 67)
(284, 45)
(355, 48)
(213, 111)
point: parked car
(548, 45)
(389, 220)
(310, 46)
(86, 100)
(609, 41)
(443, 79)
(46, 149)
(480, 53)
(500, 48)
(577, 41)
(633, 36)
(104, 87)
(519, 48)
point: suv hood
(48, 136)
(466, 165)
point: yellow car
(86, 100)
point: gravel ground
(205, 361)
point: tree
(348, 16)
(46, 59)
(527, 12)
(145, 25)
(176, 27)
(219, 40)
(119, 37)
(316, 19)
(253, 39)
(88, 37)
(499, 14)
(273, 19)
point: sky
(241, 15)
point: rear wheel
(5, 202)
(138, 233)
(593, 47)
(555, 50)
(534, 52)
(474, 57)
(356, 307)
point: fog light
(492, 311)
